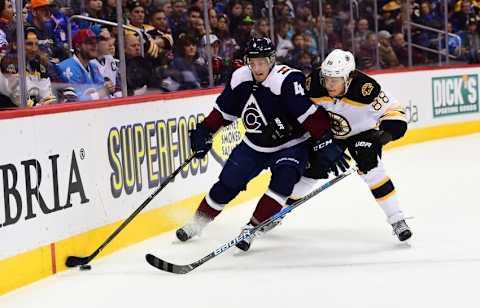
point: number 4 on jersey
(298, 88)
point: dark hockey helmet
(260, 48)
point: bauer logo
(225, 140)
(455, 95)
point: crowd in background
(174, 41)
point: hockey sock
(266, 208)
(206, 210)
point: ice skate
(193, 228)
(401, 230)
(245, 244)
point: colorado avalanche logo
(252, 116)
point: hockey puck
(85, 267)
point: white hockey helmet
(339, 63)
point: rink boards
(71, 174)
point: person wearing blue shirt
(80, 72)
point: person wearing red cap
(80, 72)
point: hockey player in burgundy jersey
(279, 118)
(364, 118)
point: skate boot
(401, 230)
(245, 244)
(193, 228)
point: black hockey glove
(277, 129)
(200, 140)
(367, 148)
(327, 157)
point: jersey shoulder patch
(240, 76)
(277, 76)
(363, 89)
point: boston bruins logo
(340, 125)
(367, 89)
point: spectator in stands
(334, 40)
(220, 70)
(228, 45)
(299, 46)
(106, 63)
(471, 42)
(391, 20)
(243, 34)
(337, 22)
(388, 58)
(400, 48)
(194, 74)
(136, 15)
(366, 56)
(7, 23)
(282, 42)
(159, 21)
(361, 32)
(82, 74)
(302, 25)
(213, 19)
(178, 17)
(234, 12)
(460, 19)
(194, 18)
(262, 28)
(38, 70)
(94, 8)
(40, 17)
(282, 9)
(199, 29)
(166, 6)
(139, 70)
(248, 9)
(429, 19)
(305, 60)
(147, 6)
(109, 10)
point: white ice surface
(335, 251)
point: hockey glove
(200, 140)
(367, 148)
(327, 156)
(277, 129)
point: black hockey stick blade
(167, 266)
(73, 261)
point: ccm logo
(322, 145)
(363, 144)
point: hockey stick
(73, 261)
(184, 269)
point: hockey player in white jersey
(364, 118)
(279, 119)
